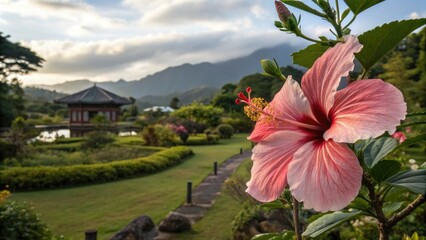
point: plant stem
(407, 210)
(296, 221)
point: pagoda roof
(94, 95)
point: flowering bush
(329, 146)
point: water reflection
(50, 136)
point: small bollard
(91, 235)
(241, 151)
(189, 192)
(215, 168)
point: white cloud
(416, 15)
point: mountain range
(186, 77)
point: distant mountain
(201, 94)
(185, 77)
(39, 94)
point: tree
(200, 113)
(16, 59)
(174, 103)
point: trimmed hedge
(38, 178)
(196, 140)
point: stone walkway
(204, 195)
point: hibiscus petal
(270, 161)
(320, 83)
(364, 109)
(324, 175)
(288, 103)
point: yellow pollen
(252, 112)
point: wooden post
(241, 150)
(215, 168)
(189, 192)
(91, 235)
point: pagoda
(83, 106)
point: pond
(51, 135)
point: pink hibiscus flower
(303, 133)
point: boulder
(142, 228)
(175, 223)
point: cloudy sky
(105, 40)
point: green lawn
(216, 224)
(109, 207)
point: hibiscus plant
(328, 139)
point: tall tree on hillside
(174, 103)
(14, 60)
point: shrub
(97, 139)
(225, 130)
(34, 178)
(202, 140)
(19, 221)
(159, 135)
(7, 150)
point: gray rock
(142, 228)
(175, 222)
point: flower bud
(271, 68)
(283, 12)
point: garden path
(204, 195)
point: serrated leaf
(358, 6)
(413, 180)
(327, 222)
(411, 141)
(391, 208)
(378, 149)
(300, 5)
(413, 114)
(273, 205)
(385, 169)
(306, 57)
(380, 40)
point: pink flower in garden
(302, 133)
(400, 136)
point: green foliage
(358, 6)
(159, 135)
(247, 214)
(380, 40)
(377, 150)
(384, 170)
(202, 140)
(19, 221)
(36, 178)
(97, 139)
(7, 150)
(225, 130)
(307, 56)
(200, 113)
(328, 222)
(413, 180)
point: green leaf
(327, 222)
(385, 169)
(411, 141)
(307, 56)
(413, 180)
(344, 14)
(391, 208)
(360, 145)
(358, 6)
(300, 5)
(378, 149)
(274, 205)
(287, 235)
(413, 114)
(411, 124)
(423, 165)
(380, 40)
(360, 204)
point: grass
(111, 206)
(216, 224)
